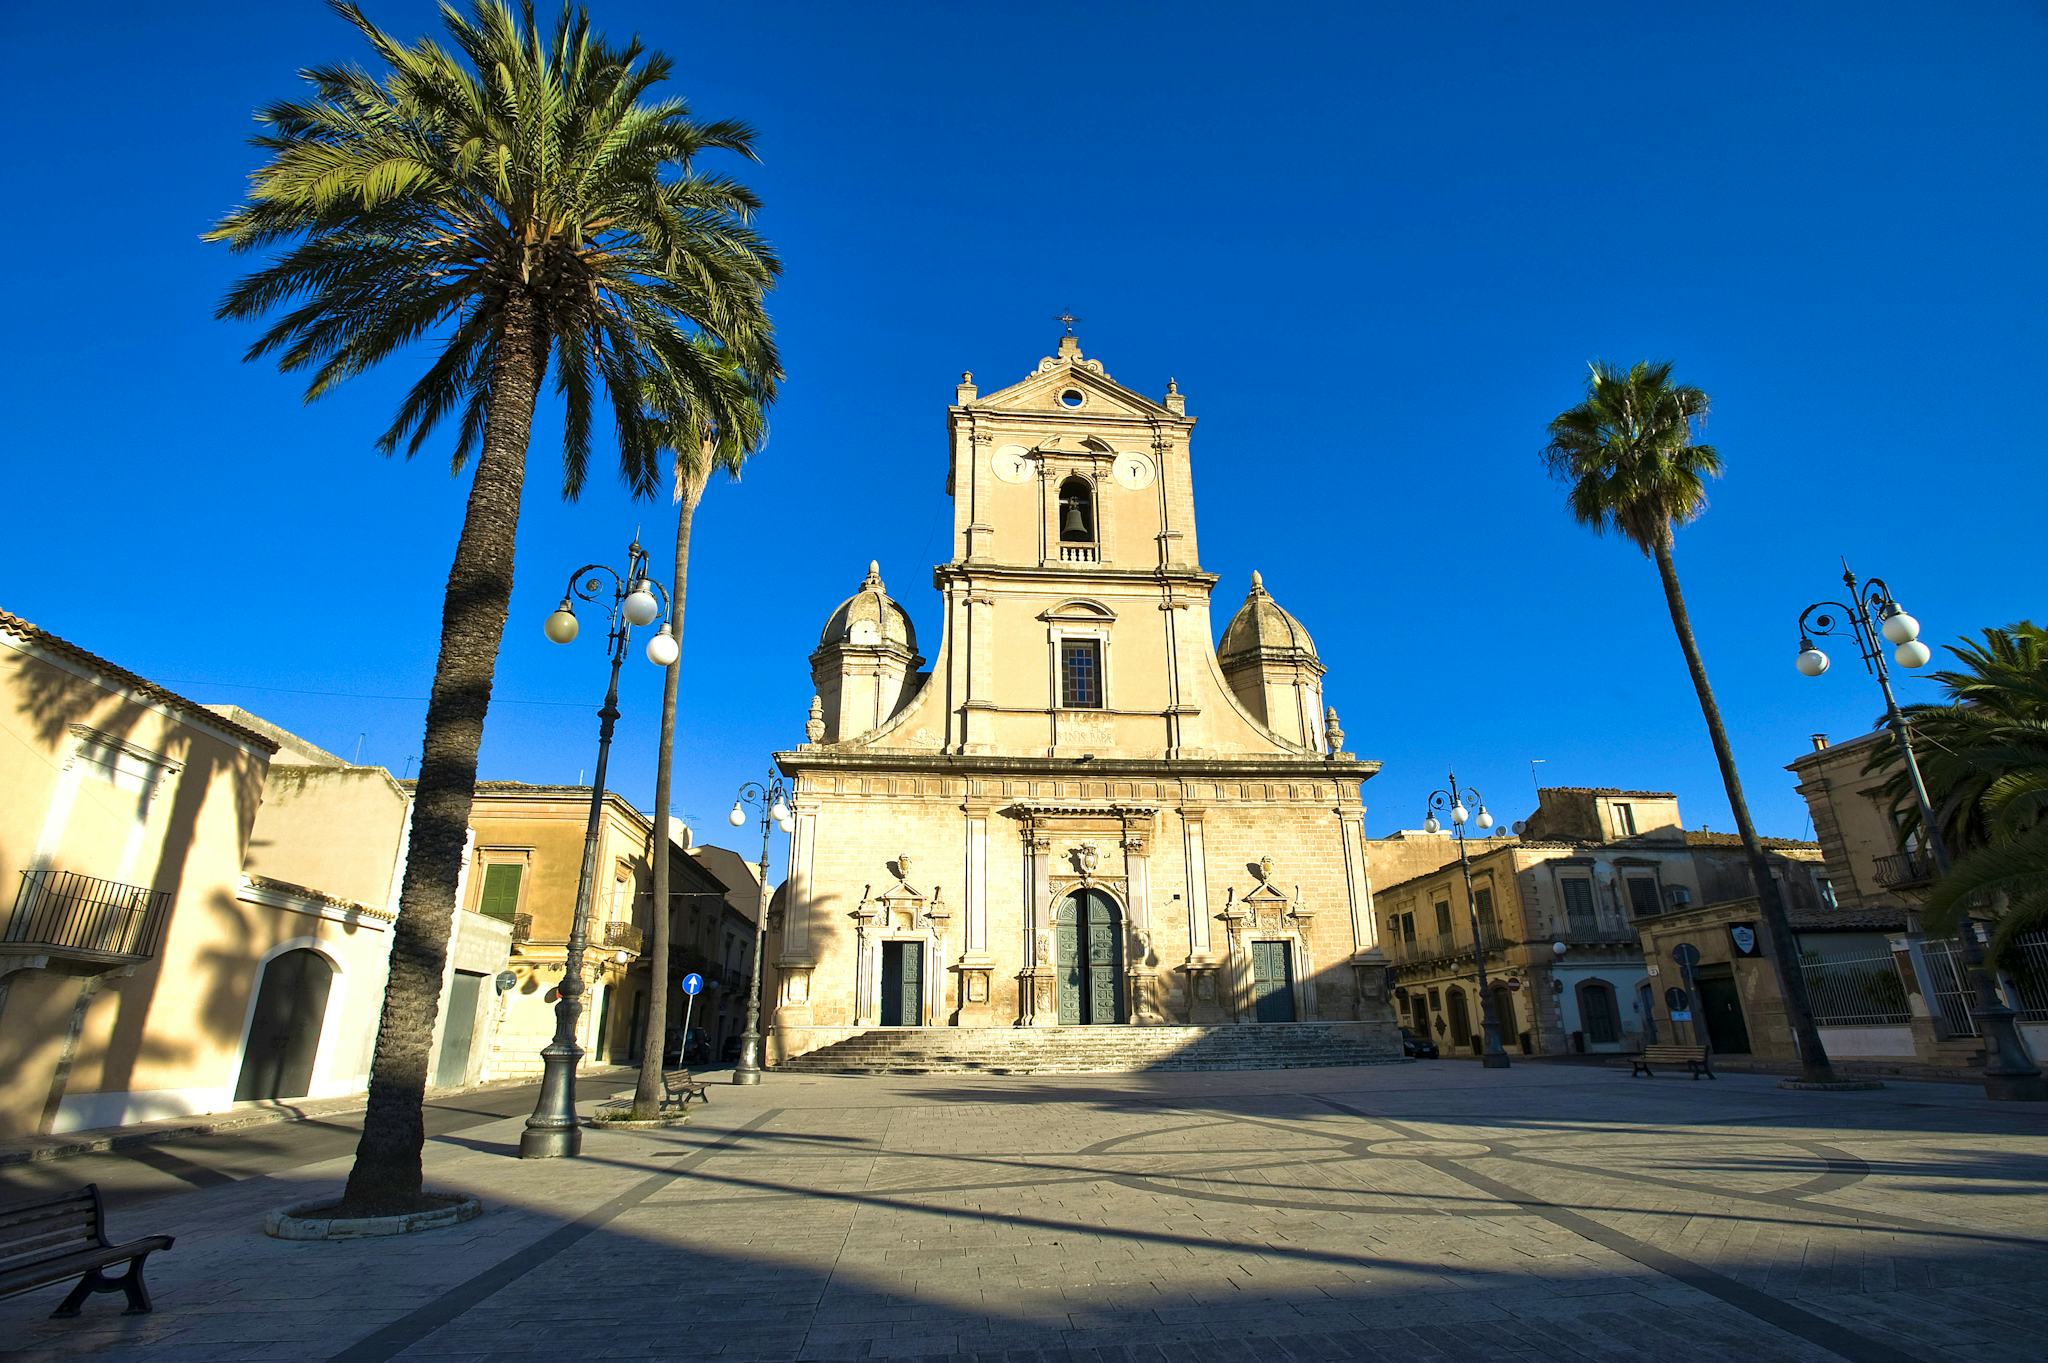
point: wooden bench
(65, 1236)
(681, 1088)
(1694, 1058)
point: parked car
(1417, 1047)
(730, 1051)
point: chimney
(1820, 742)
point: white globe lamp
(1811, 661)
(561, 625)
(640, 606)
(662, 650)
(1913, 653)
(1485, 820)
(1899, 627)
(738, 817)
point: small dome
(870, 617)
(1260, 625)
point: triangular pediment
(1050, 388)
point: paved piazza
(1414, 1212)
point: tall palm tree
(513, 201)
(1984, 754)
(1629, 455)
(712, 421)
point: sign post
(693, 984)
(1687, 955)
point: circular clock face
(1011, 465)
(1134, 470)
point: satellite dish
(1521, 827)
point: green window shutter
(501, 891)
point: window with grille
(1483, 899)
(1578, 903)
(1081, 674)
(1443, 919)
(500, 897)
(1642, 895)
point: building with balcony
(526, 853)
(1877, 870)
(1560, 909)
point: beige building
(330, 839)
(525, 856)
(1084, 810)
(1574, 913)
(1877, 870)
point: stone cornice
(825, 758)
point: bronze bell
(1074, 527)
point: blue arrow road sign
(693, 984)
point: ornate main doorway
(1089, 959)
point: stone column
(1205, 1001)
(976, 965)
(1368, 959)
(1146, 1004)
(1038, 1004)
(794, 963)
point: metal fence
(2030, 977)
(1855, 991)
(78, 913)
(1952, 991)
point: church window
(1081, 674)
(1077, 512)
(1071, 398)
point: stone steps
(1097, 1050)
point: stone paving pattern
(1417, 1212)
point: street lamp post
(1451, 800)
(2008, 1073)
(772, 800)
(627, 600)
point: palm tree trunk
(387, 1175)
(1813, 1057)
(647, 1093)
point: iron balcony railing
(522, 927)
(1907, 868)
(63, 911)
(623, 936)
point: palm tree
(1984, 755)
(712, 422)
(1629, 455)
(516, 203)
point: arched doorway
(1461, 1019)
(1090, 959)
(284, 1029)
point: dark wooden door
(902, 984)
(1727, 1030)
(1089, 959)
(1461, 1019)
(284, 1031)
(1273, 981)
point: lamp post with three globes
(1452, 801)
(1875, 618)
(628, 599)
(773, 801)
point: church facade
(1082, 809)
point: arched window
(1077, 512)
(1597, 1012)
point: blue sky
(1376, 245)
